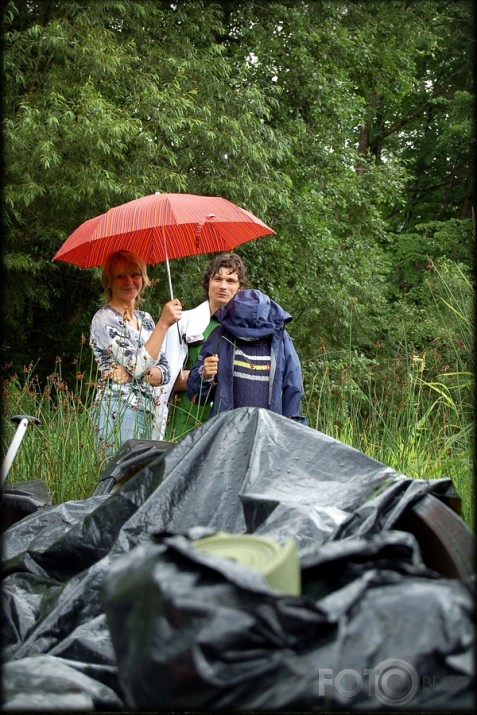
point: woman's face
(126, 283)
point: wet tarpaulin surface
(107, 606)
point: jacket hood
(251, 314)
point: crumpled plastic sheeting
(21, 499)
(246, 470)
(191, 635)
(47, 683)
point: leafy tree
(345, 126)
(105, 102)
(355, 83)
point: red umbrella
(159, 226)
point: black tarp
(107, 606)
(19, 500)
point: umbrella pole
(168, 269)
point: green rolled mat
(277, 563)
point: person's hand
(171, 312)
(154, 377)
(118, 374)
(211, 365)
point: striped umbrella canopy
(160, 226)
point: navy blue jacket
(249, 314)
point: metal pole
(168, 269)
(23, 422)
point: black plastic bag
(244, 471)
(372, 630)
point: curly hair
(230, 261)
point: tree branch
(438, 92)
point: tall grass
(61, 451)
(413, 412)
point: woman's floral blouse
(113, 340)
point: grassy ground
(420, 428)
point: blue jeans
(114, 423)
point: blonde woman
(127, 346)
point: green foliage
(414, 411)
(92, 121)
(61, 451)
(414, 254)
(345, 127)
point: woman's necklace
(131, 319)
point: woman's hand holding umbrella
(171, 313)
